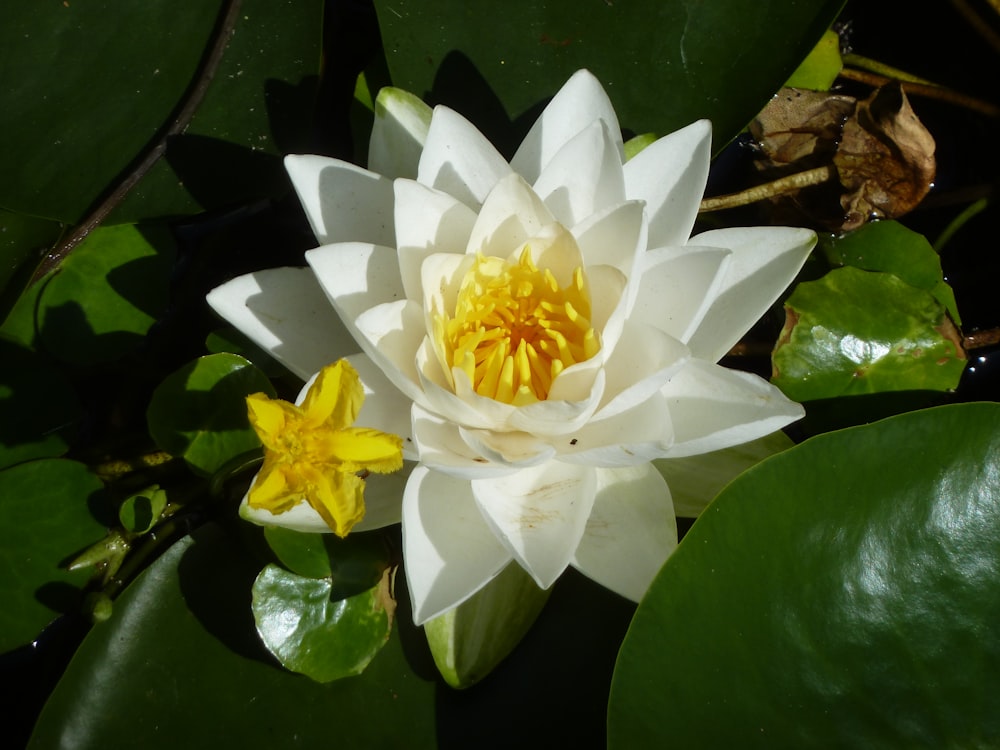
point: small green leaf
(46, 514)
(840, 594)
(468, 642)
(821, 67)
(302, 553)
(889, 246)
(39, 409)
(854, 332)
(107, 294)
(140, 512)
(199, 412)
(314, 635)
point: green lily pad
(821, 67)
(854, 332)
(46, 515)
(39, 409)
(664, 64)
(199, 412)
(107, 294)
(179, 658)
(889, 246)
(22, 240)
(311, 633)
(840, 594)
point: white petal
(677, 287)
(356, 276)
(631, 532)
(695, 480)
(398, 133)
(459, 160)
(510, 216)
(573, 399)
(284, 312)
(515, 449)
(391, 334)
(539, 514)
(427, 221)
(615, 236)
(584, 176)
(578, 103)
(764, 262)
(385, 407)
(713, 407)
(636, 436)
(670, 175)
(609, 289)
(343, 202)
(449, 552)
(441, 447)
(642, 362)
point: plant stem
(782, 186)
(978, 23)
(981, 339)
(931, 91)
(177, 124)
(880, 68)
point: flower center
(515, 329)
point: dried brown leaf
(885, 160)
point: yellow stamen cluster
(515, 328)
(313, 454)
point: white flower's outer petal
(636, 436)
(383, 507)
(578, 103)
(539, 514)
(695, 480)
(510, 216)
(449, 551)
(677, 286)
(398, 133)
(343, 202)
(386, 408)
(765, 261)
(631, 531)
(712, 408)
(643, 361)
(441, 446)
(427, 222)
(670, 175)
(584, 176)
(280, 310)
(356, 276)
(459, 160)
(615, 236)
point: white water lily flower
(538, 331)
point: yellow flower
(312, 453)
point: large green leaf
(39, 410)
(86, 87)
(841, 594)
(107, 294)
(89, 84)
(664, 64)
(46, 515)
(179, 665)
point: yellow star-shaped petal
(313, 453)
